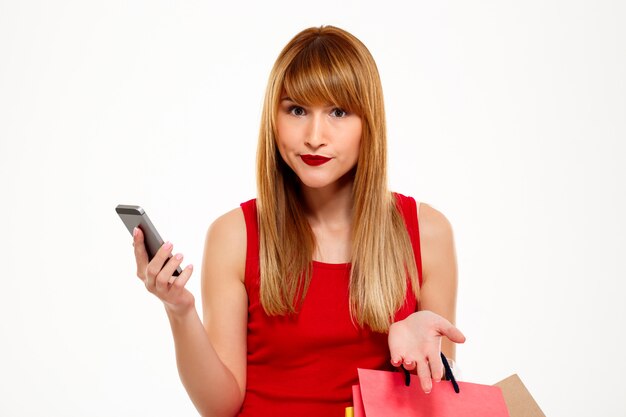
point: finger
(409, 364)
(396, 361)
(181, 280)
(156, 264)
(452, 333)
(395, 352)
(141, 255)
(424, 375)
(449, 330)
(436, 368)
(396, 357)
(165, 276)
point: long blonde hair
(329, 65)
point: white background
(507, 116)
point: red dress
(305, 364)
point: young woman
(326, 270)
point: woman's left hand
(415, 342)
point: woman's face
(319, 143)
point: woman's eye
(296, 110)
(339, 113)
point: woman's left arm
(416, 341)
(439, 269)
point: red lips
(314, 160)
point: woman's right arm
(211, 358)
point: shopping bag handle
(449, 376)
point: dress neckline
(326, 265)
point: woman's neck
(331, 206)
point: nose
(315, 137)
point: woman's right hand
(158, 275)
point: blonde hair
(329, 65)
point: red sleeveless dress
(305, 364)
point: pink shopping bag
(384, 394)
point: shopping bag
(385, 394)
(517, 398)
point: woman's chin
(324, 182)
(316, 184)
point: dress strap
(409, 210)
(252, 234)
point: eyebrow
(287, 98)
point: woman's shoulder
(226, 240)
(433, 224)
(436, 237)
(229, 226)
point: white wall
(509, 117)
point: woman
(322, 273)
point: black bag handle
(449, 376)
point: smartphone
(135, 216)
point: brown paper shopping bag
(518, 400)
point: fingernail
(167, 245)
(179, 256)
(135, 232)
